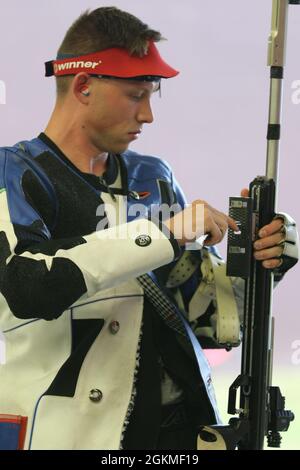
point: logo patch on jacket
(144, 194)
(143, 240)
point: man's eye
(136, 97)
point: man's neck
(86, 157)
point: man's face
(116, 112)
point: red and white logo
(79, 64)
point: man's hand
(269, 247)
(197, 220)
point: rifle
(261, 409)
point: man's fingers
(232, 224)
(229, 221)
(272, 263)
(273, 227)
(217, 224)
(269, 253)
(215, 236)
(270, 241)
(223, 219)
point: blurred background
(210, 123)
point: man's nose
(145, 113)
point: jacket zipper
(104, 183)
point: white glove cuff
(290, 254)
(291, 242)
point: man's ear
(81, 87)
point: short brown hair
(101, 29)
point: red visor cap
(116, 62)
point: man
(94, 358)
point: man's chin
(113, 146)
(119, 148)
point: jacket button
(143, 240)
(95, 395)
(114, 327)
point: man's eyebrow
(143, 87)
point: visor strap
(49, 70)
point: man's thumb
(245, 192)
